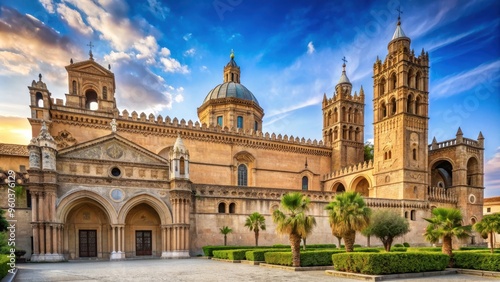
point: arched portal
(361, 185)
(142, 232)
(87, 230)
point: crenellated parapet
(459, 140)
(353, 169)
(409, 56)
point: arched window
(39, 99)
(409, 78)
(255, 126)
(381, 87)
(242, 175)
(219, 121)
(222, 208)
(394, 82)
(417, 81)
(343, 113)
(91, 100)
(383, 110)
(232, 208)
(104, 93)
(335, 133)
(351, 133)
(239, 123)
(182, 166)
(389, 155)
(393, 106)
(414, 154)
(409, 104)
(358, 134)
(413, 215)
(328, 119)
(74, 86)
(356, 118)
(344, 132)
(417, 106)
(349, 115)
(335, 115)
(305, 183)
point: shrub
(230, 254)
(307, 258)
(281, 246)
(258, 255)
(318, 257)
(474, 260)
(208, 250)
(4, 267)
(357, 246)
(322, 246)
(398, 245)
(398, 249)
(368, 250)
(279, 258)
(388, 263)
(406, 244)
(424, 249)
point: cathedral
(107, 184)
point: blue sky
(167, 55)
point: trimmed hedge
(320, 246)
(398, 249)
(424, 249)
(230, 254)
(258, 255)
(389, 263)
(307, 258)
(476, 260)
(208, 250)
(4, 267)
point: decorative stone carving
(64, 139)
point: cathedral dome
(230, 89)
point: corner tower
(400, 103)
(343, 123)
(231, 104)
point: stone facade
(114, 185)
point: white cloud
(179, 98)
(203, 68)
(74, 19)
(172, 65)
(190, 52)
(113, 56)
(14, 63)
(187, 36)
(310, 48)
(463, 81)
(147, 47)
(492, 173)
(156, 8)
(48, 5)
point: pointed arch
(338, 187)
(473, 172)
(393, 107)
(393, 82)
(381, 86)
(361, 184)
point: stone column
(36, 242)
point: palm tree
(348, 213)
(224, 231)
(256, 222)
(489, 225)
(446, 223)
(293, 221)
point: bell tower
(400, 103)
(91, 86)
(343, 123)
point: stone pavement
(194, 269)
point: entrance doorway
(88, 243)
(143, 244)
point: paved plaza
(194, 269)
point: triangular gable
(112, 148)
(89, 66)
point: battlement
(175, 122)
(390, 60)
(349, 170)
